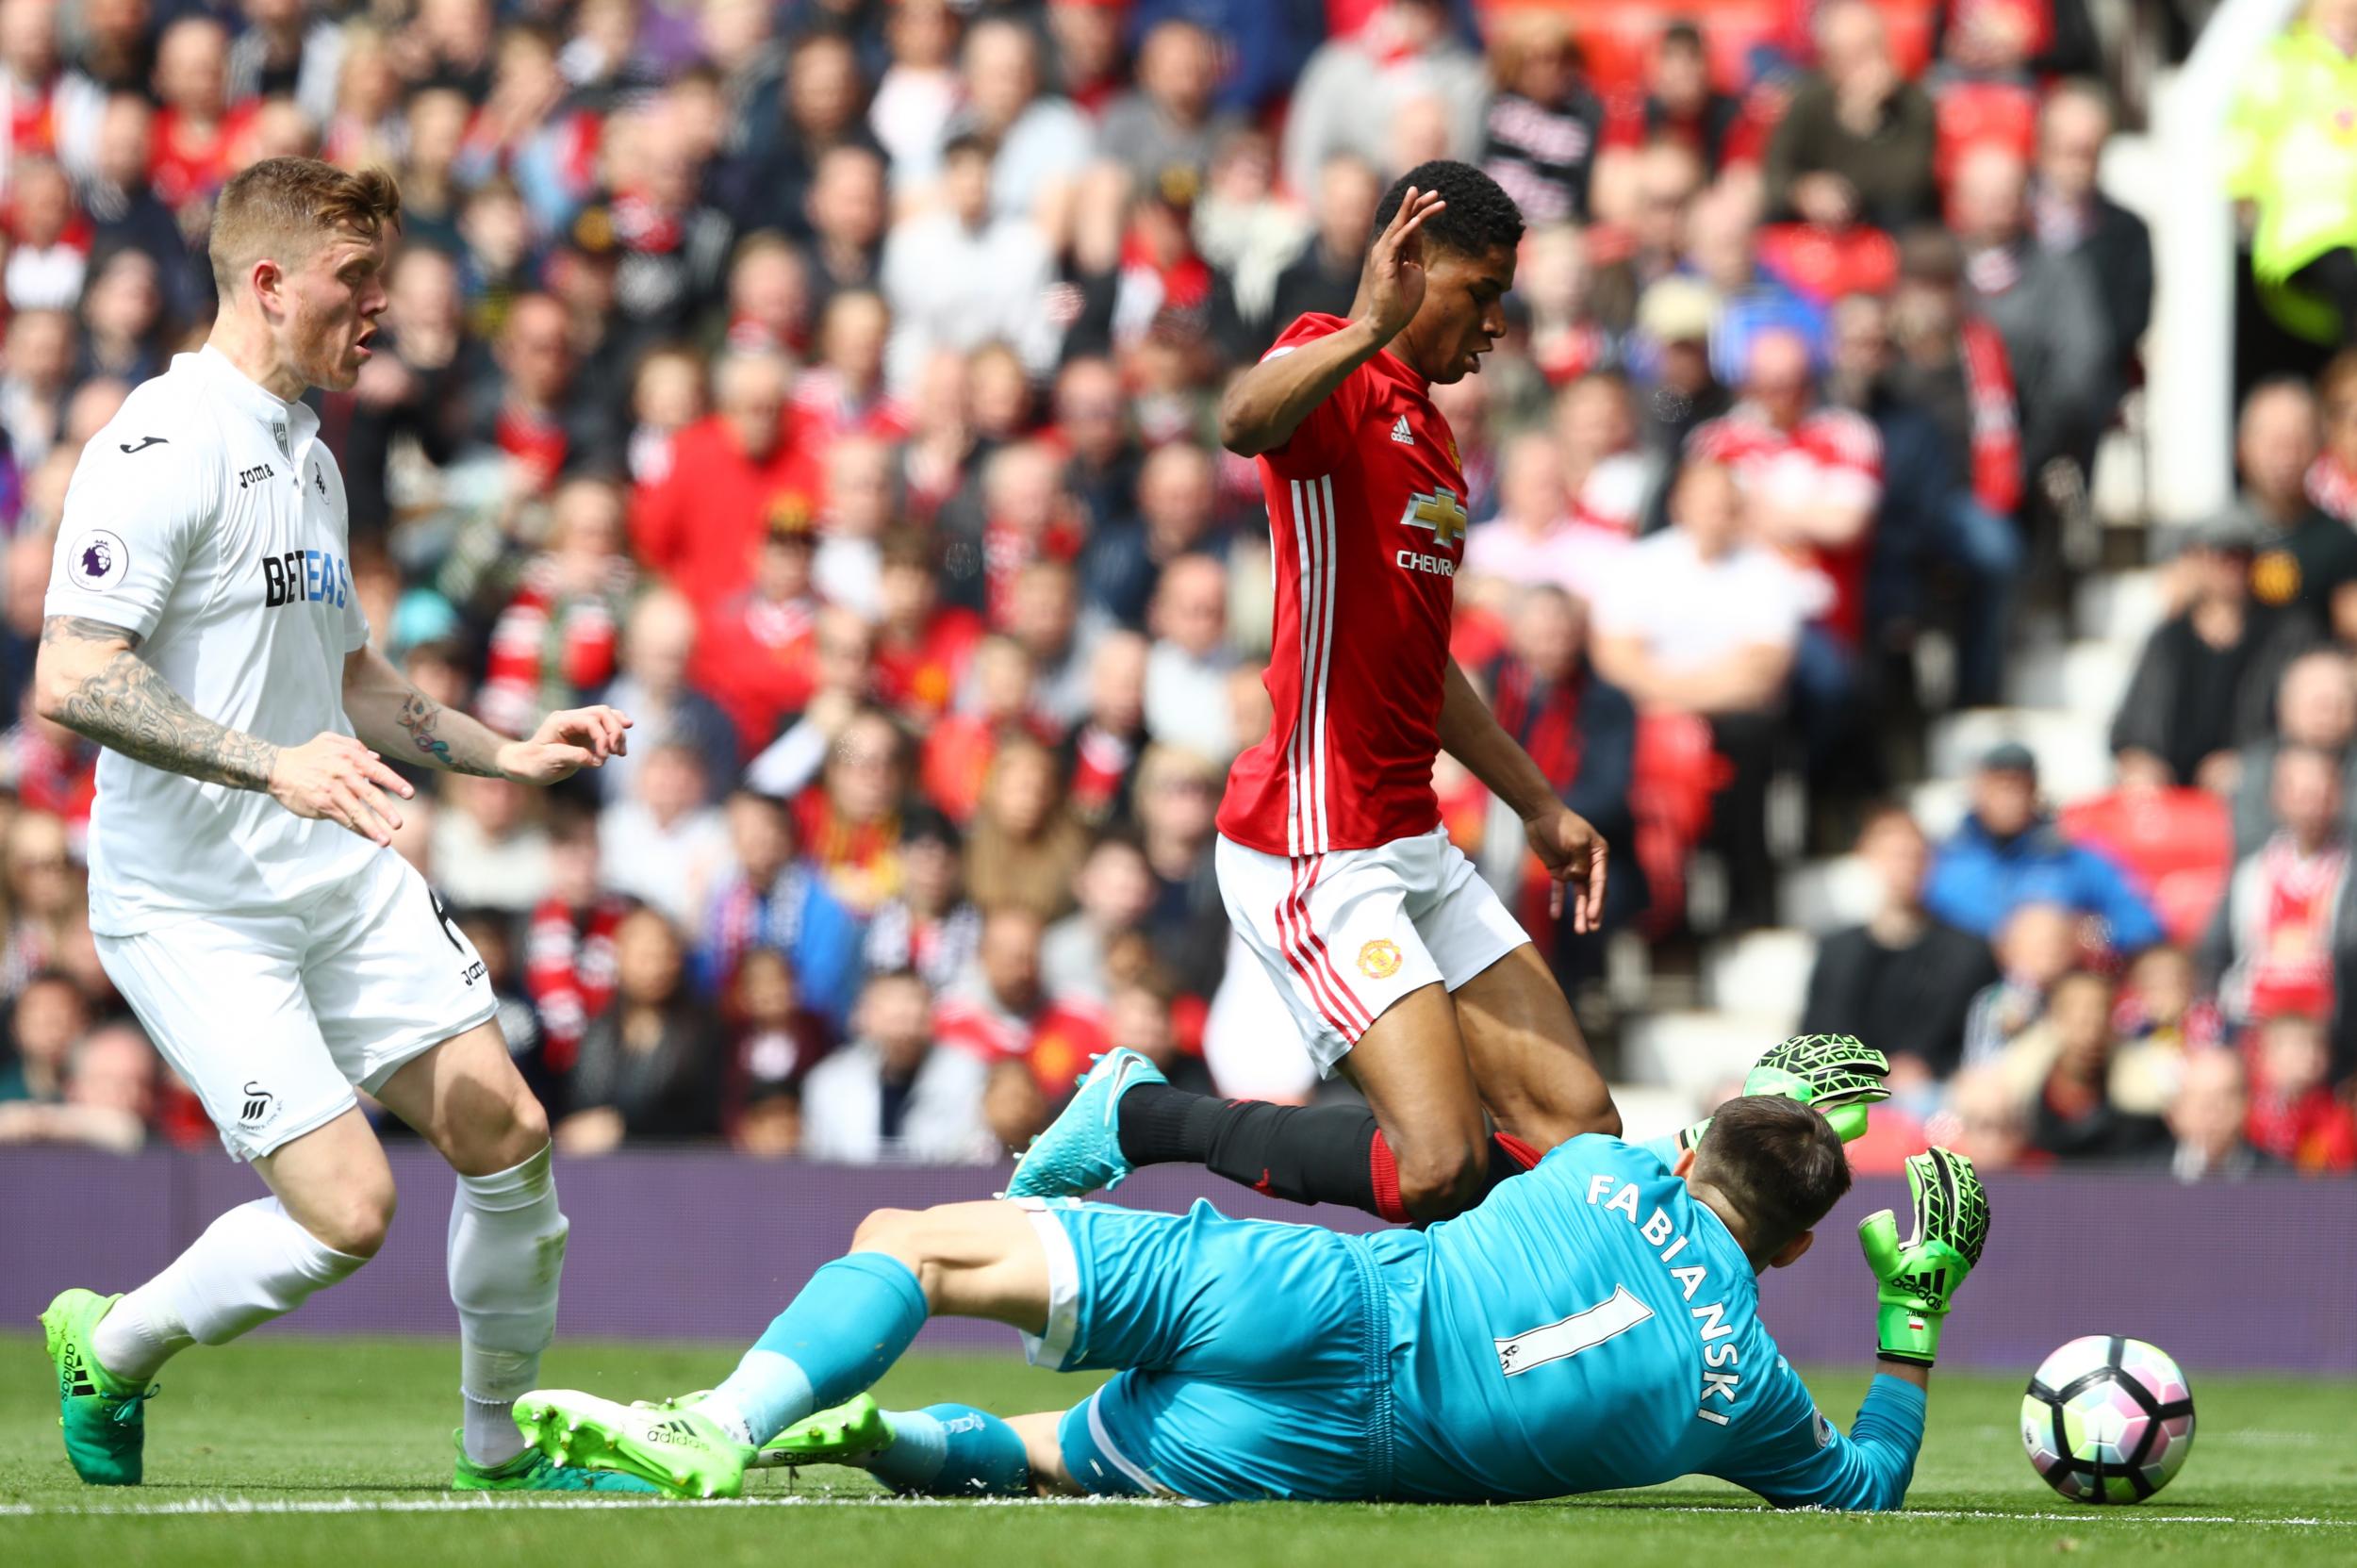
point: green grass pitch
(297, 1451)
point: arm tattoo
(124, 704)
(419, 714)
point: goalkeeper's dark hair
(1479, 216)
(1779, 1163)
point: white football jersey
(209, 518)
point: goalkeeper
(1593, 1323)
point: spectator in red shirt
(999, 1012)
(2276, 942)
(955, 757)
(194, 131)
(568, 940)
(699, 524)
(2295, 1115)
(756, 655)
(530, 409)
(922, 646)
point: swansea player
(203, 626)
(1594, 1323)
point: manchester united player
(1404, 970)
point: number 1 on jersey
(1615, 1315)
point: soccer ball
(2107, 1420)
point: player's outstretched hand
(566, 742)
(1395, 265)
(1574, 853)
(334, 778)
(1918, 1277)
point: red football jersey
(1367, 506)
(1832, 457)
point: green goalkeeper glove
(1839, 1074)
(1919, 1277)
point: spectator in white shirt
(961, 276)
(489, 849)
(890, 1095)
(1534, 539)
(665, 847)
(1040, 144)
(1355, 92)
(1703, 621)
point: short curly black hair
(1479, 216)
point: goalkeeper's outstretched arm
(1811, 1463)
(1802, 1461)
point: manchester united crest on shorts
(1379, 959)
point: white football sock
(252, 1264)
(507, 1252)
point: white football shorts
(1346, 933)
(273, 1017)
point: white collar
(246, 394)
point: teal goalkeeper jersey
(1592, 1326)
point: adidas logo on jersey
(1401, 434)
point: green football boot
(532, 1471)
(677, 1448)
(105, 1418)
(852, 1433)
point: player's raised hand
(1395, 281)
(334, 778)
(1574, 853)
(566, 742)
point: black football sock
(1308, 1154)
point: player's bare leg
(1411, 1065)
(506, 1237)
(1528, 1057)
(841, 1333)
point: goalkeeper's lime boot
(1080, 1151)
(676, 1448)
(105, 1417)
(851, 1433)
(533, 1471)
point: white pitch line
(2114, 1514)
(199, 1506)
(185, 1506)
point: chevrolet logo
(1439, 514)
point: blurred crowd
(828, 384)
